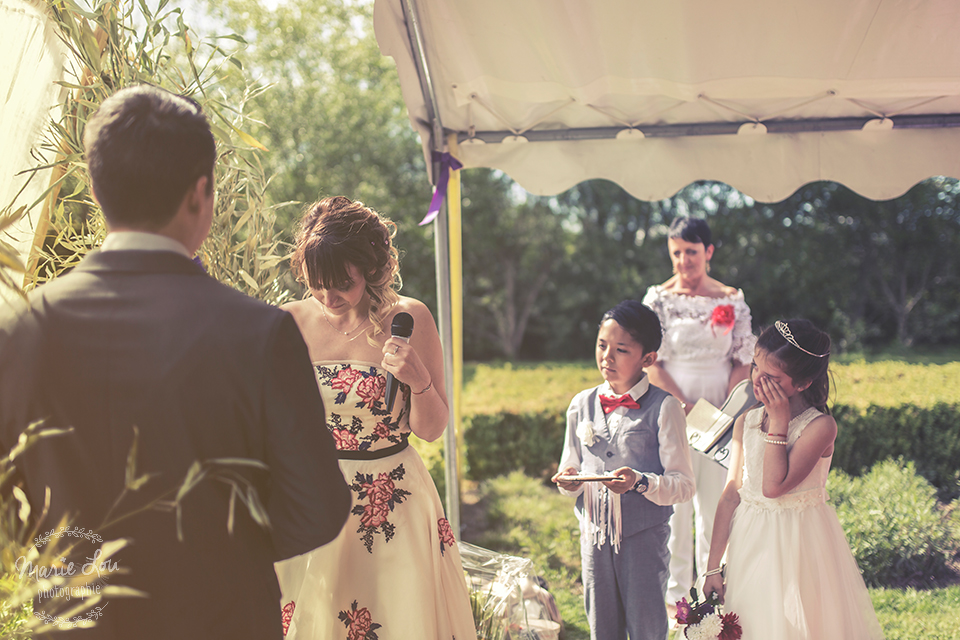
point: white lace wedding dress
(790, 573)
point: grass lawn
(857, 381)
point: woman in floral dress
(394, 572)
(707, 348)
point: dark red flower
(683, 611)
(288, 615)
(731, 627)
(723, 316)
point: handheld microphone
(401, 327)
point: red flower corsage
(723, 316)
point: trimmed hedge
(499, 443)
(929, 437)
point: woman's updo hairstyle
(692, 230)
(337, 231)
(803, 352)
(640, 321)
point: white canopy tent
(654, 95)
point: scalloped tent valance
(654, 95)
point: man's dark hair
(145, 147)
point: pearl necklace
(345, 333)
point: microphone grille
(402, 325)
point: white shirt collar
(141, 241)
(635, 392)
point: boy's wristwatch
(641, 485)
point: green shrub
(500, 443)
(894, 527)
(929, 436)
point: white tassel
(601, 510)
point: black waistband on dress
(386, 452)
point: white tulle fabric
(790, 573)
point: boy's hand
(627, 478)
(566, 485)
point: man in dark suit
(139, 338)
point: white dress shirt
(141, 241)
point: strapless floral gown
(394, 572)
(790, 573)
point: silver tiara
(785, 332)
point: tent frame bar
(934, 121)
(442, 249)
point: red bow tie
(609, 403)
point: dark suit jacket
(147, 339)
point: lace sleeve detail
(744, 342)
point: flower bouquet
(703, 620)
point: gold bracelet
(425, 389)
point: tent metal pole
(442, 248)
(813, 125)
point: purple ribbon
(447, 162)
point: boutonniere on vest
(722, 316)
(586, 434)
(609, 403)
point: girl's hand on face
(777, 404)
(627, 478)
(566, 485)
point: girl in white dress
(790, 574)
(707, 344)
(394, 572)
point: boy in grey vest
(626, 459)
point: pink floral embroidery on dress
(382, 431)
(345, 440)
(288, 615)
(371, 389)
(446, 535)
(359, 623)
(381, 496)
(345, 379)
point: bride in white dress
(394, 572)
(707, 345)
(790, 574)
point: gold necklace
(346, 333)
